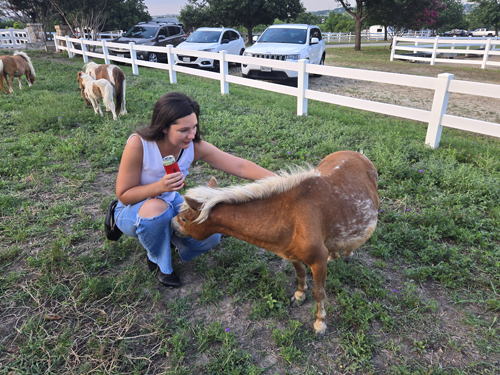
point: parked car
(150, 33)
(457, 32)
(210, 39)
(483, 32)
(285, 42)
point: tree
(124, 14)
(451, 17)
(339, 22)
(308, 19)
(360, 13)
(27, 11)
(248, 13)
(488, 13)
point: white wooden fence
(436, 118)
(443, 49)
(13, 38)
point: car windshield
(141, 32)
(284, 35)
(204, 37)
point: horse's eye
(184, 220)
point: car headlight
(249, 54)
(208, 49)
(293, 57)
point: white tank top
(152, 165)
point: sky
(162, 7)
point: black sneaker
(171, 280)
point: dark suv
(150, 33)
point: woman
(149, 198)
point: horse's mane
(90, 67)
(261, 189)
(87, 77)
(28, 60)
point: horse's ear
(212, 183)
(194, 205)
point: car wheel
(216, 67)
(321, 62)
(153, 57)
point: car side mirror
(225, 41)
(314, 40)
(162, 37)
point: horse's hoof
(319, 328)
(299, 298)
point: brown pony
(113, 74)
(308, 217)
(16, 66)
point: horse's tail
(28, 60)
(1, 77)
(119, 78)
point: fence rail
(13, 38)
(441, 49)
(436, 118)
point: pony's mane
(87, 77)
(27, 58)
(261, 189)
(90, 67)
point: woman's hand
(172, 182)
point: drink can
(171, 166)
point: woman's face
(182, 132)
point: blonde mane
(90, 68)
(261, 189)
(28, 60)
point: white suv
(286, 42)
(210, 39)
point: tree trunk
(357, 42)
(385, 32)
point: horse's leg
(300, 270)
(28, 78)
(11, 80)
(20, 86)
(318, 269)
(2, 78)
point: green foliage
(340, 23)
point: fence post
(394, 42)
(105, 52)
(224, 68)
(434, 49)
(133, 58)
(302, 86)
(454, 41)
(486, 53)
(69, 45)
(439, 105)
(468, 45)
(170, 61)
(55, 42)
(416, 44)
(84, 50)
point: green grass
(420, 297)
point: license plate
(265, 69)
(186, 59)
(120, 55)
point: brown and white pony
(16, 66)
(93, 90)
(114, 75)
(305, 217)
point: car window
(316, 33)
(204, 36)
(141, 32)
(227, 35)
(234, 35)
(163, 31)
(174, 30)
(284, 35)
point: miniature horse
(16, 66)
(114, 75)
(94, 90)
(308, 217)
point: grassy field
(421, 297)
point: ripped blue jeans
(155, 234)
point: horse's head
(81, 87)
(185, 224)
